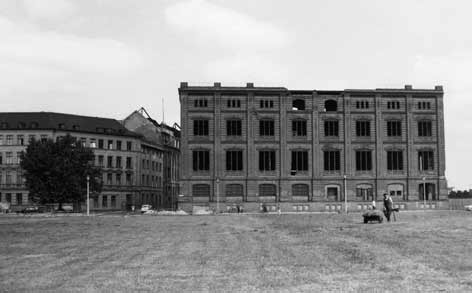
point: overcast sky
(110, 57)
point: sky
(110, 57)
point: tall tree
(56, 172)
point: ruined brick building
(305, 150)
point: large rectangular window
(266, 127)
(234, 160)
(201, 160)
(267, 160)
(363, 128)
(425, 128)
(266, 103)
(363, 160)
(394, 128)
(299, 127)
(200, 127)
(331, 128)
(425, 160)
(109, 162)
(201, 190)
(332, 160)
(300, 160)
(394, 160)
(233, 127)
(234, 190)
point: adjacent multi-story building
(308, 150)
(130, 163)
(168, 140)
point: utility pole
(217, 195)
(345, 194)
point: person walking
(388, 206)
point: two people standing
(388, 206)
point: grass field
(311, 252)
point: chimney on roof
(250, 85)
(183, 84)
(217, 84)
(408, 87)
(438, 88)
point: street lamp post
(88, 196)
(424, 193)
(217, 195)
(345, 195)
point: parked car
(66, 208)
(468, 207)
(146, 208)
(30, 210)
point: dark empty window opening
(299, 160)
(201, 190)
(233, 127)
(425, 128)
(430, 193)
(298, 105)
(332, 160)
(234, 190)
(200, 127)
(394, 160)
(201, 160)
(267, 190)
(363, 160)
(266, 127)
(425, 160)
(234, 160)
(331, 128)
(363, 128)
(234, 103)
(331, 106)
(299, 127)
(267, 104)
(100, 143)
(394, 128)
(267, 160)
(201, 103)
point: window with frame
(128, 162)
(394, 128)
(395, 190)
(298, 105)
(332, 192)
(201, 190)
(233, 103)
(425, 160)
(128, 179)
(266, 104)
(118, 179)
(299, 127)
(9, 139)
(362, 104)
(365, 192)
(267, 190)
(9, 158)
(118, 162)
(363, 160)
(200, 103)
(100, 161)
(423, 105)
(331, 128)
(267, 160)
(19, 199)
(266, 127)
(332, 160)
(129, 145)
(201, 160)
(299, 160)
(200, 127)
(109, 162)
(425, 128)
(100, 143)
(118, 145)
(113, 201)
(233, 127)
(104, 201)
(234, 190)
(300, 190)
(395, 160)
(20, 139)
(109, 178)
(394, 105)
(363, 128)
(234, 160)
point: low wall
(314, 206)
(459, 203)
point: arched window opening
(331, 106)
(298, 105)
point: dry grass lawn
(311, 252)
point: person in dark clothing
(388, 206)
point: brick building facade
(304, 150)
